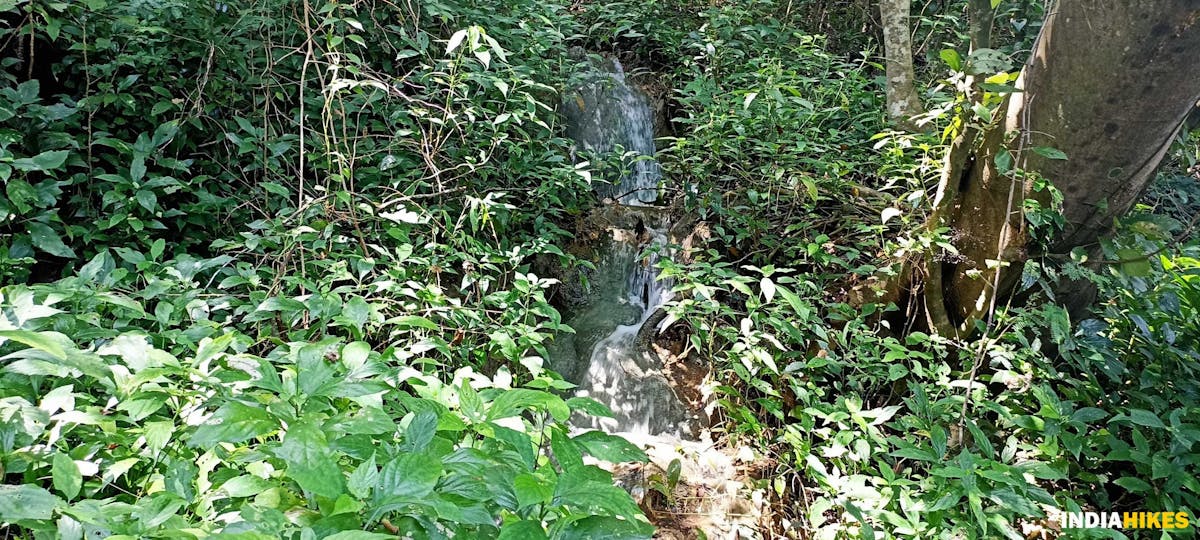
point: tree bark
(1109, 84)
(979, 13)
(902, 100)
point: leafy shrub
(144, 434)
(297, 299)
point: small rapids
(606, 114)
(611, 356)
(605, 357)
(619, 371)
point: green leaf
(412, 475)
(976, 505)
(158, 434)
(26, 502)
(360, 535)
(364, 478)
(593, 496)
(515, 401)
(1134, 262)
(420, 432)
(356, 353)
(21, 194)
(589, 406)
(1050, 153)
(232, 423)
(531, 489)
(156, 248)
(914, 453)
(1134, 485)
(147, 199)
(865, 531)
(611, 448)
(210, 347)
(508, 347)
(44, 161)
(1145, 418)
(357, 311)
(951, 58)
(1013, 501)
(314, 376)
(1088, 415)
(1004, 161)
(412, 321)
(46, 239)
(66, 476)
(523, 530)
(311, 462)
(939, 440)
(245, 485)
(137, 169)
(43, 341)
(518, 441)
(565, 450)
(142, 404)
(606, 527)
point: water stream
(604, 357)
(606, 114)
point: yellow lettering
(1168, 520)
(1152, 520)
(1181, 519)
(1129, 520)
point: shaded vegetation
(268, 272)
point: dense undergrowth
(879, 431)
(267, 273)
(295, 297)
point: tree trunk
(1109, 84)
(902, 100)
(979, 13)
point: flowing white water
(619, 373)
(605, 114)
(605, 356)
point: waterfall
(604, 357)
(605, 114)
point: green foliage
(324, 436)
(268, 273)
(295, 296)
(893, 433)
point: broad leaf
(1145, 418)
(44, 161)
(43, 341)
(46, 239)
(311, 462)
(26, 502)
(409, 475)
(65, 473)
(232, 423)
(612, 448)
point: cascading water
(604, 357)
(609, 356)
(605, 114)
(621, 374)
